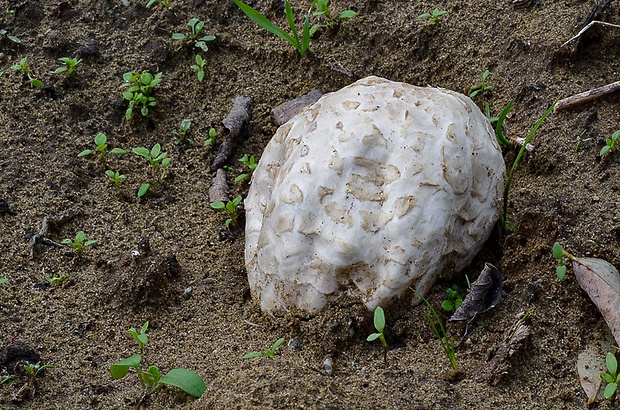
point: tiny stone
(187, 293)
(294, 344)
(328, 366)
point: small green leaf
(611, 363)
(141, 151)
(379, 319)
(178, 36)
(120, 369)
(85, 153)
(347, 14)
(447, 306)
(610, 390)
(557, 251)
(117, 151)
(604, 150)
(3, 280)
(144, 188)
(80, 236)
(253, 355)
(218, 205)
(560, 272)
(60, 70)
(373, 337)
(186, 380)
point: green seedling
(141, 86)
(79, 243)
(433, 17)
(610, 143)
(301, 46)
(250, 163)
(23, 67)
(559, 255)
(580, 140)
(231, 207)
(56, 280)
(115, 177)
(4, 35)
(151, 379)
(160, 161)
(101, 150)
(193, 39)
(211, 137)
(379, 322)
(151, 3)
(69, 66)
(267, 353)
(182, 132)
(499, 127)
(33, 370)
(612, 377)
(436, 324)
(321, 8)
(453, 300)
(504, 220)
(3, 281)
(482, 87)
(7, 379)
(199, 67)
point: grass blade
(264, 22)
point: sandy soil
(559, 193)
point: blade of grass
(499, 127)
(264, 22)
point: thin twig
(587, 96)
(590, 24)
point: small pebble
(294, 344)
(187, 293)
(328, 366)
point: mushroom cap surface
(372, 189)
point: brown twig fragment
(238, 117)
(587, 96)
(287, 110)
(219, 190)
(42, 238)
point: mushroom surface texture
(372, 189)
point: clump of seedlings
(192, 38)
(250, 163)
(300, 45)
(79, 244)
(379, 322)
(101, 150)
(69, 66)
(321, 8)
(232, 207)
(436, 324)
(141, 86)
(160, 161)
(558, 254)
(482, 87)
(433, 17)
(23, 67)
(610, 143)
(151, 379)
(56, 280)
(453, 299)
(267, 353)
(612, 376)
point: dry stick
(219, 190)
(238, 117)
(583, 30)
(587, 96)
(287, 110)
(42, 238)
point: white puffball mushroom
(372, 189)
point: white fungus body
(374, 188)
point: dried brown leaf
(601, 281)
(484, 294)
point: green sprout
(322, 10)
(183, 131)
(612, 377)
(151, 379)
(301, 46)
(482, 87)
(580, 139)
(23, 67)
(199, 67)
(69, 66)
(56, 280)
(151, 3)
(610, 143)
(7, 379)
(192, 38)
(115, 177)
(379, 322)
(141, 86)
(159, 161)
(101, 149)
(504, 219)
(33, 370)
(211, 137)
(453, 300)
(79, 243)
(5, 35)
(231, 207)
(559, 255)
(436, 324)
(3, 281)
(250, 163)
(433, 17)
(267, 353)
